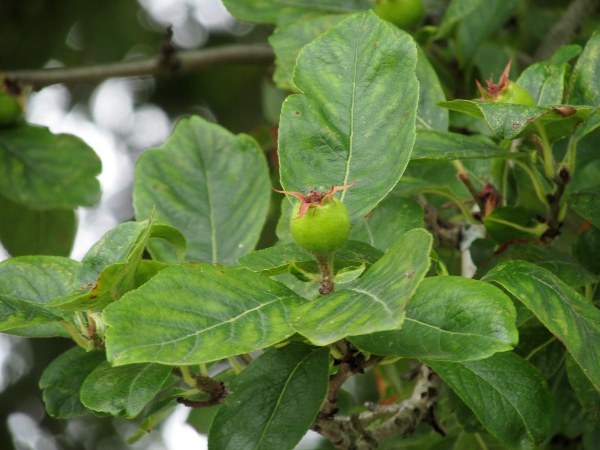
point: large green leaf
(583, 193)
(393, 217)
(37, 279)
(563, 265)
(287, 41)
(62, 380)
(452, 319)
(356, 116)
(47, 171)
(507, 394)
(208, 183)
(588, 396)
(282, 11)
(197, 313)
(445, 146)
(508, 120)
(16, 313)
(587, 248)
(274, 401)
(540, 347)
(124, 243)
(567, 314)
(376, 301)
(429, 115)
(123, 391)
(26, 231)
(584, 85)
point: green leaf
(507, 394)
(446, 146)
(392, 218)
(563, 265)
(212, 312)
(545, 81)
(356, 116)
(587, 248)
(583, 193)
(508, 121)
(123, 391)
(429, 115)
(282, 11)
(348, 274)
(452, 319)
(376, 301)
(38, 279)
(588, 396)
(274, 401)
(567, 314)
(480, 22)
(208, 183)
(16, 313)
(584, 85)
(110, 268)
(47, 171)
(540, 347)
(276, 260)
(455, 12)
(26, 231)
(62, 380)
(511, 222)
(287, 41)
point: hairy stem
(326, 267)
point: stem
(187, 376)
(464, 177)
(179, 63)
(326, 267)
(76, 335)
(556, 210)
(235, 365)
(546, 151)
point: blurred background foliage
(122, 118)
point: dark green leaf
(446, 146)
(584, 85)
(282, 11)
(510, 222)
(47, 171)
(569, 316)
(208, 183)
(429, 115)
(455, 12)
(507, 120)
(357, 116)
(287, 41)
(62, 380)
(212, 312)
(123, 391)
(545, 81)
(586, 393)
(38, 279)
(540, 347)
(507, 394)
(452, 319)
(376, 301)
(393, 217)
(26, 231)
(587, 248)
(562, 265)
(274, 401)
(583, 193)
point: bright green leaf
(509, 397)
(561, 264)
(274, 401)
(212, 312)
(452, 319)
(62, 380)
(376, 301)
(356, 116)
(208, 183)
(47, 171)
(446, 146)
(392, 218)
(567, 314)
(26, 231)
(123, 391)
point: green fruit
(323, 229)
(515, 94)
(10, 110)
(405, 14)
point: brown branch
(554, 206)
(179, 63)
(563, 31)
(217, 390)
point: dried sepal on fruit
(505, 91)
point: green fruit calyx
(505, 91)
(320, 223)
(405, 14)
